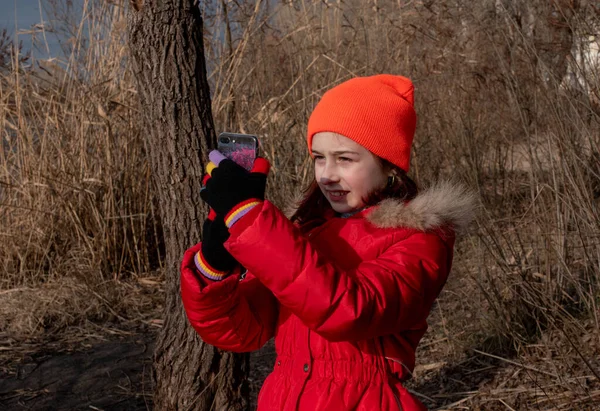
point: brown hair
(314, 206)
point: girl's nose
(329, 174)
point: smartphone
(241, 148)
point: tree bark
(167, 58)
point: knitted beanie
(376, 112)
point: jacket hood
(440, 204)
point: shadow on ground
(113, 375)
(455, 383)
(459, 381)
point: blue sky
(23, 15)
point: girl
(346, 285)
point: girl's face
(345, 171)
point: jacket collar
(442, 204)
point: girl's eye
(345, 159)
(318, 158)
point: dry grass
(77, 210)
(66, 302)
(519, 319)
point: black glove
(213, 260)
(230, 186)
(214, 235)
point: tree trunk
(167, 58)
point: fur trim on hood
(440, 204)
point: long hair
(314, 207)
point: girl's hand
(213, 260)
(230, 190)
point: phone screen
(241, 148)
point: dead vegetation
(507, 95)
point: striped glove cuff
(206, 270)
(240, 210)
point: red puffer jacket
(347, 302)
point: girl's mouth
(336, 195)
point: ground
(104, 375)
(111, 375)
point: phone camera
(224, 140)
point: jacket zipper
(397, 400)
(391, 386)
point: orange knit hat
(377, 112)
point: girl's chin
(343, 208)
(340, 208)
(343, 204)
